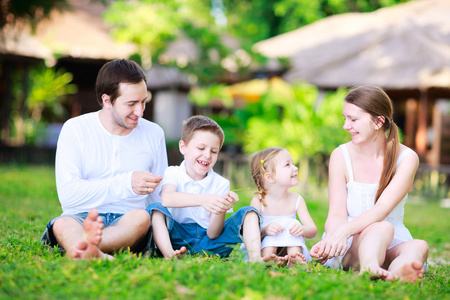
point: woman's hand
(334, 244)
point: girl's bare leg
(368, 250)
(406, 260)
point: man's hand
(144, 183)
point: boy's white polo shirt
(213, 183)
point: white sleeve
(75, 191)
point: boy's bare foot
(411, 272)
(92, 228)
(379, 273)
(296, 259)
(85, 250)
(178, 253)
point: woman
(369, 179)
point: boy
(195, 201)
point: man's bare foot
(410, 272)
(379, 273)
(296, 259)
(177, 253)
(85, 250)
(92, 228)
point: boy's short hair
(115, 72)
(203, 123)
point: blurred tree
(256, 20)
(209, 24)
(299, 118)
(153, 24)
(47, 91)
(20, 12)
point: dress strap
(262, 207)
(348, 162)
(402, 155)
(296, 204)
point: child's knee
(251, 216)
(158, 216)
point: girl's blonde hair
(260, 163)
(376, 102)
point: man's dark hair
(115, 72)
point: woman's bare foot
(177, 253)
(410, 272)
(379, 273)
(92, 228)
(296, 259)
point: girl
(369, 179)
(283, 235)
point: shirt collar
(205, 182)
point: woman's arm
(337, 211)
(395, 191)
(392, 195)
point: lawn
(28, 200)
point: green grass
(28, 200)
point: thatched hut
(404, 49)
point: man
(108, 168)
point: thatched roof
(79, 33)
(399, 47)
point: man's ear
(106, 99)
(269, 178)
(182, 147)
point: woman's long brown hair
(377, 103)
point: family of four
(117, 191)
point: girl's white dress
(360, 198)
(284, 239)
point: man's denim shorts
(194, 238)
(109, 219)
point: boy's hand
(296, 230)
(144, 183)
(216, 204)
(232, 198)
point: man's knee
(62, 224)
(141, 219)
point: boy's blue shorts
(194, 238)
